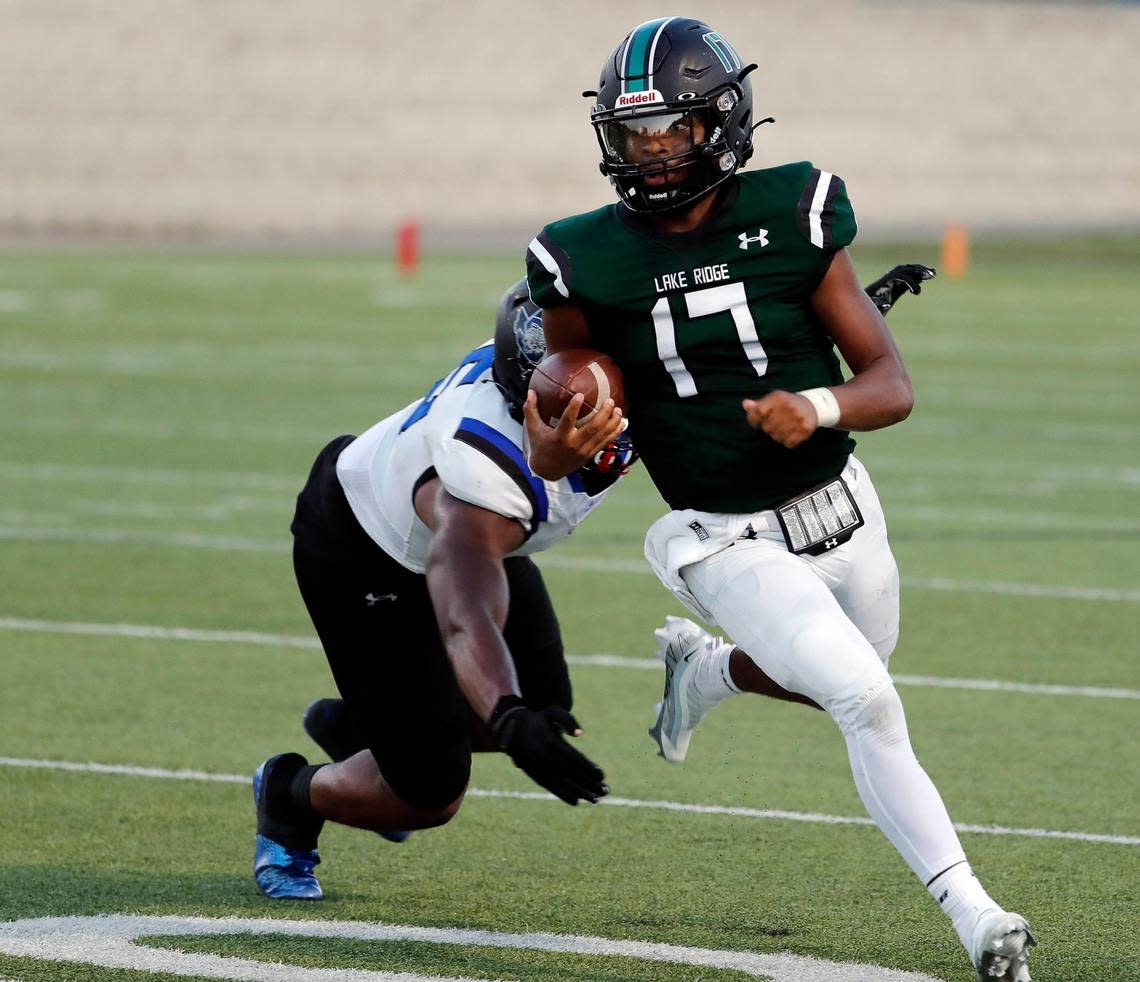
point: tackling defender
(722, 297)
(411, 546)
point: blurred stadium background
(198, 201)
(302, 120)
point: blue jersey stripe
(514, 458)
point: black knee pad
(426, 781)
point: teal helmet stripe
(724, 51)
(638, 50)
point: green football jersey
(698, 321)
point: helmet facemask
(664, 156)
(668, 75)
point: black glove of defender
(886, 290)
(533, 739)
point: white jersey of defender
(461, 432)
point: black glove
(886, 290)
(533, 739)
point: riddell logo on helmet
(638, 98)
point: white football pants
(824, 626)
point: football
(559, 377)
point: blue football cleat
(280, 872)
(328, 724)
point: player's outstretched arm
(471, 596)
(879, 392)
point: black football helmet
(673, 113)
(519, 343)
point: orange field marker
(955, 251)
(408, 248)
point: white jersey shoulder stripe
(540, 252)
(815, 215)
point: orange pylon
(955, 251)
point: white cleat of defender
(1000, 948)
(681, 646)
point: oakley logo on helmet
(638, 98)
(529, 336)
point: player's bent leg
(895, 789)
(355, 792)
(701, 671)
(747, 676)
(868, 590)
(697, 680)
(329, 724)
(781, 613)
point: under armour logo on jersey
(702, 532)
(746, 240)
(373, 600)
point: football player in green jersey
(724, 297)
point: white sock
(713, 678)
(962, 898)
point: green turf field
(159, 412)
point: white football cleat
(1000, 947)
(681, 646)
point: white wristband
(826, 405)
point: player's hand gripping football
(533, 739)
(787, 417)
(555, 451)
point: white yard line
(974, 519)
(158, 633)
(1053, 432)
(953, 521)
(1126, 475)
(811, 818)
(1026, 428)
(118, 941)
(594, 564)
(114, 536)
(157, 476)
(920, 681)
